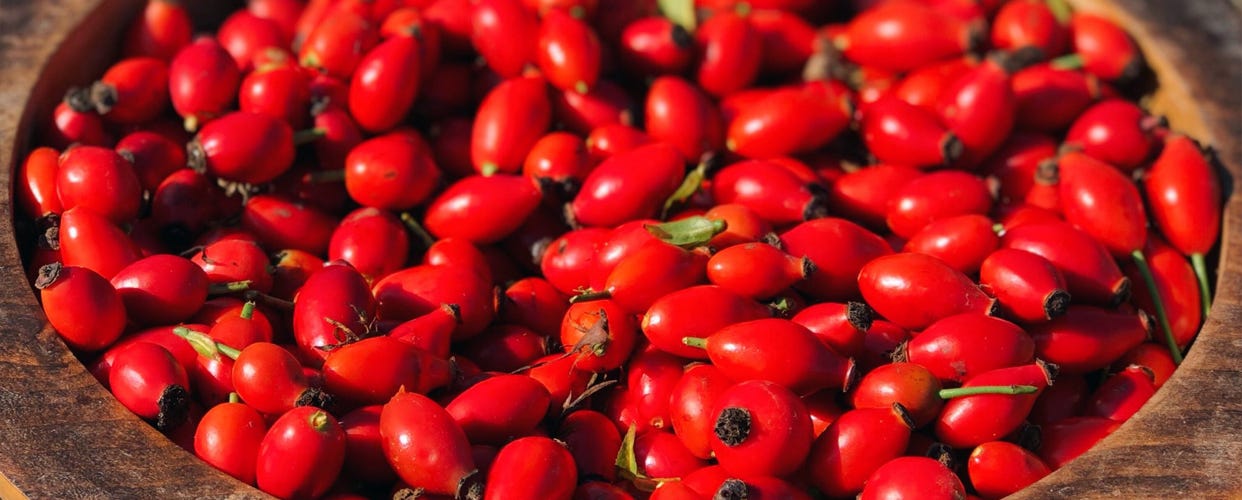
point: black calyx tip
(681, 37)
(733, 426)
(79, 99)
(174, 404)
(470, 487)
(1121, 292)
(103, 97)
(1056, 303)
(860, 315)
(951, 148)
(314, 396)
(195, 157)
(48, 274)
(732, 489)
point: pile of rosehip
(596, 249)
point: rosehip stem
(417, 230)
(204, 345)
(234, 397)
(958, 392)
(1068, 61)
(247, 311)
(308, 136)
(590, 295)
(326, 176)
(1162, 316)
(1205, 291)
(227, 288)
(268, 300)
(696, 342)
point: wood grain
(63, 436)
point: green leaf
(626, 461)
(680, 12)
(689, 232)
(689, 186)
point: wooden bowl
(62, 435)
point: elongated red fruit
(427, 448)
(914, 290)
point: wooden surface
(63, 436)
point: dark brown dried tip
(79, 99)
(1056, 303)
(951, 148)
(313, 396)
(808, 267)
(1121, 292)
(103, 96)
(48, 274)
(1050, 370)
(681, 37)
(904, 415)
(732, 489)
(901, 354)
(942, 453)
(852, 374)
(860, 315)
(733, 426)
(174, 404)
(195, 157)
(470, 487)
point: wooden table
(63, 436)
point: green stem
(229, 287)
(247, 311)
(204, 345)
(1162, 316)
(697, 342)
(590, 295)
(1205, 290)
(987, 389)
(1060, 10)
(307, 136)
(417, 229)
(234, 397)
(1068, 61)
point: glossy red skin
(482, 209)
(84, 308)
(35, 183)
(780, 431)
(1022, 282)
(338, 44)
(1011, 216)
(756, 270)
(980, 109)
(1049, 99)
(1014, 164)
(661, 454)
(1065, 440)
(680, 113)
(161, 289)
(532, 467)
(862, 196)
(284, 13)
(1184, 196)
(100, 180)
(912, 385)
(394, 171)
(839, 248)
(279, 222)
(675, 315)
(957, 348)
(184, 204)
(228, 438)
(89, 240)
(424, 445)
(268, 378)
(69, 126)
(500, 408)
(557, 374)
(374, 241)
(461, 253)
(605, 104)
(533, 303)
(372, 370)
(651, 376)
(603, 354)
(654, 46)
(691, 402)
(557, 158)
(1091, 274)
(202, 80)
(780, 351)
(385, 83)
(245, 36)
(900, 133)
(1088, 338)
(161, 335)
(922, 86)
(336, 294)
(301, 455)
(618, 191)
(623, 241)
(409, 20)
(1153, 356)
(364, 449)
(610, 140)
(505, 348)
(962, 241)
(853, 447)
(567, 51)
(246, 147)
(290, 268)
(140, 375)
(568, 261)
(999, 468)
(414, 291)
(593, 441)
(729, 51)
(834, 324)
(935, 196)
(913, 477)
(1103, 202)
(340, 136)
(653, 271)
(237, 331)
(160, 31)
(919, 32)
(431, 332)
(508, 123)
(1176, 285)
(787, 40)
(1122, 394)
(139, 89)
(212, 378)
(969, 421)
(893, 284)
(1029, 23)
(1113, 131)
(1106, 50)
(772, 191)
(742, 225)
(155, 156)
(506, 34)
(789, 120)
